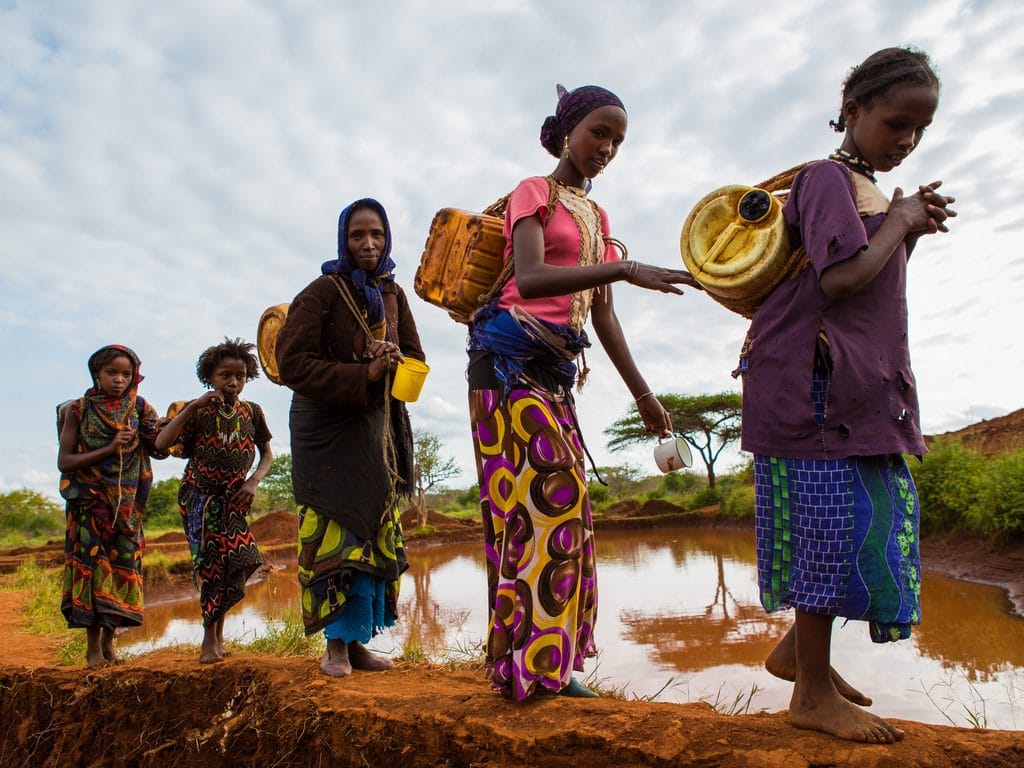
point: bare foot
(364, 659)
(781, 662)
(107, 646)
(208, 653)
(221, 653)
(831, 713)
(335, 661)
(94, 648)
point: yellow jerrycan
(736, 245)
(271, 323)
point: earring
(565, 146)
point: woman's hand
(654, 416)
(384, 356)
(658, 278)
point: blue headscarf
(367, 282)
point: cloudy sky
(169, 170)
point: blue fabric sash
(516, 338)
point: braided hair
(881, 71)
(230, 349)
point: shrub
(679, 482)
(1000, 506)
(29, 514)
(703, 498)
(740, 502)
(598, 493)
(948, 482)
(162, 507)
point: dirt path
(254, 710)
(18, 647)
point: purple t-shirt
(871, 399)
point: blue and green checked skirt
(840, 538)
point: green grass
(284, 637)
(416, 533)
(158, 566)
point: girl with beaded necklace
(107, 438)
(220, 434)
(538, 531)
(830, 403)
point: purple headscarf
(368, 282)
(572, 107)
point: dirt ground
(991, 436)
(256, 710)
(253, 710)
(162, 709)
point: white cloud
(166, 173)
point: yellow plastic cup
(409, 378)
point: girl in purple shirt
(830, 402)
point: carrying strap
(498, 208)
(390, 451)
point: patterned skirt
(840, 538)
(538, 540)
(102, 570)
(224, 552)
(329, 556)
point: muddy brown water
(679, 614)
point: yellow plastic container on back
(462, 261)
(735, 243)
(270, 325)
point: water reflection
(679, 610)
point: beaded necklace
(858, 164)
(233, 431)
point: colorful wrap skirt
(840, 538)
(330, 557)
(102, 570)
(538, 540)
(224, 552)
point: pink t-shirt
(562, 247)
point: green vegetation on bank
(28, 518)
(733, 491)
(688, 489)
(962, 490)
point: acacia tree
(431, 468)
(707, 422)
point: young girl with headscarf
(539, 544)
(351, 441)
(107, 438)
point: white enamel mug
(671, 454)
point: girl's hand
(246, 492)
(658, 278)
(122, 440)
(938, 206)
(207, 397)
(654, 416)
(924, 212)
